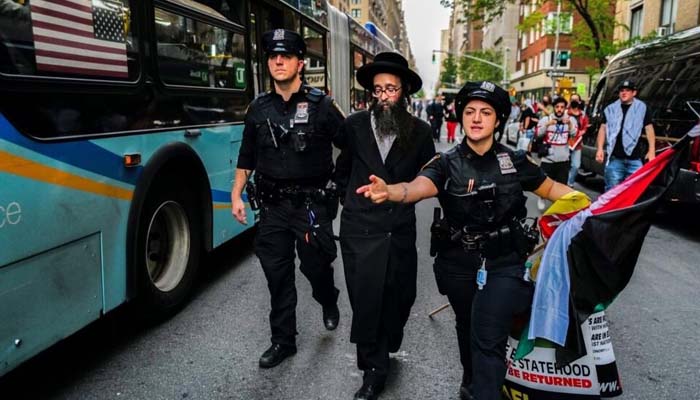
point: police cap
(627, 84)
(488, 92)
(282, 41)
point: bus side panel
(45, 298)
(220, 169)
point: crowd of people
(387, 163)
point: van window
(94, 40)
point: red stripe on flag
(69, 43)
(626, 193)
(83, 71)
(62, 29)
(76, 57)
(60, 15)
(72, 5)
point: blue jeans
(618, 169)
(575, 164)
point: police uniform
(483, 203)
(289, 145)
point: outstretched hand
(377, 190)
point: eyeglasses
(390, 91)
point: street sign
(553, 74)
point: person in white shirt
(556, 129)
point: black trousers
(436, 125)
(283, 227)
(558, 171)
(484, 319)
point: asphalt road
(210, 349)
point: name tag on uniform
(302, 114)
(505, 164)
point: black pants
(281, 227)
(484, 319)
(436, 125)
(558, 171)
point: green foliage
(472, 70)
(419, 94)
(592, 35)
(449, 73)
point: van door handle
(192, 133)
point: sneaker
(540, 204)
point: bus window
(234, 10)
(194, 53)
(79, 41)
(315, 70)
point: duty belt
(299, 195)
(474, 240)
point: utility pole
(556, 50)
(505, 66)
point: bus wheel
(168, 252)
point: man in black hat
(378, 241)
(287, 140)
(622, 126)
(481, 244)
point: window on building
(355, 1)
(356, 13)
(669, 9)
(563, 62)
(566, 22)
(636, 22)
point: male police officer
(287, 141)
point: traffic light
(564, 55)
(433, 58)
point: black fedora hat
(391, 63)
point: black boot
(372, 386)
(276, 354)
(464, 390)
(369, 391)
(331, 316)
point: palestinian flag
(591, 255)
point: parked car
(667, 73)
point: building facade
(660, 17)
(342, 5)
(502, 35)
(544, 66)
(388, 16)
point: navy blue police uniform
(289, 145)
(484, 207)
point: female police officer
(482, 247)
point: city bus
(120, 126)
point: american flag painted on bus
(84, 37)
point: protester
(528, 123)
(622, 126)
(575, 143)
(436, 113)
(479, 184)
(555, 131)
(451, 120)
(291, 171)
(378, 242)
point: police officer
(287, 140)
(482, 243)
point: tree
(448, 76)
(419, 94)
(592, 36)
(472, 70)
